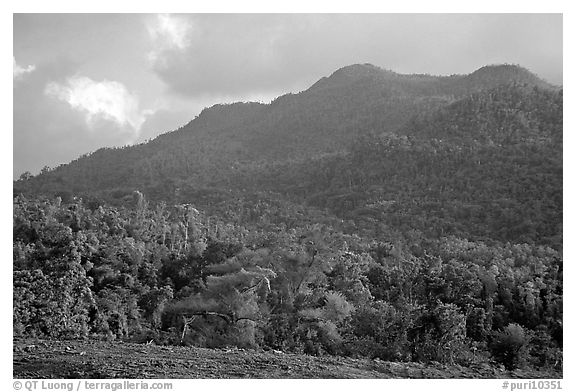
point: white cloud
(19, 71)
(108, 100)
(169, 32)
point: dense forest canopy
(325, 119)
(402, 217)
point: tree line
(174, 275)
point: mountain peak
(352, 73)
(503, 68)
(358, 70)
(505, 73)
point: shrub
(440, 334)
(384, 325)
(509, 347)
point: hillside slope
(324, 119)
(488, 167)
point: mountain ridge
(324, 119)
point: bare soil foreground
(35, 358)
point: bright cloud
(169, 32)
(109, 100)
(20, 71)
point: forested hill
(487, 167)
(325, 119)
(409, 218)
(507, 114)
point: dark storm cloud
(244, 54)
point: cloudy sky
(85, 81)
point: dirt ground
(39, 359)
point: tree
(227, 311)
(509, 346)
(25, 176)
(439, 334)
(52, 294)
